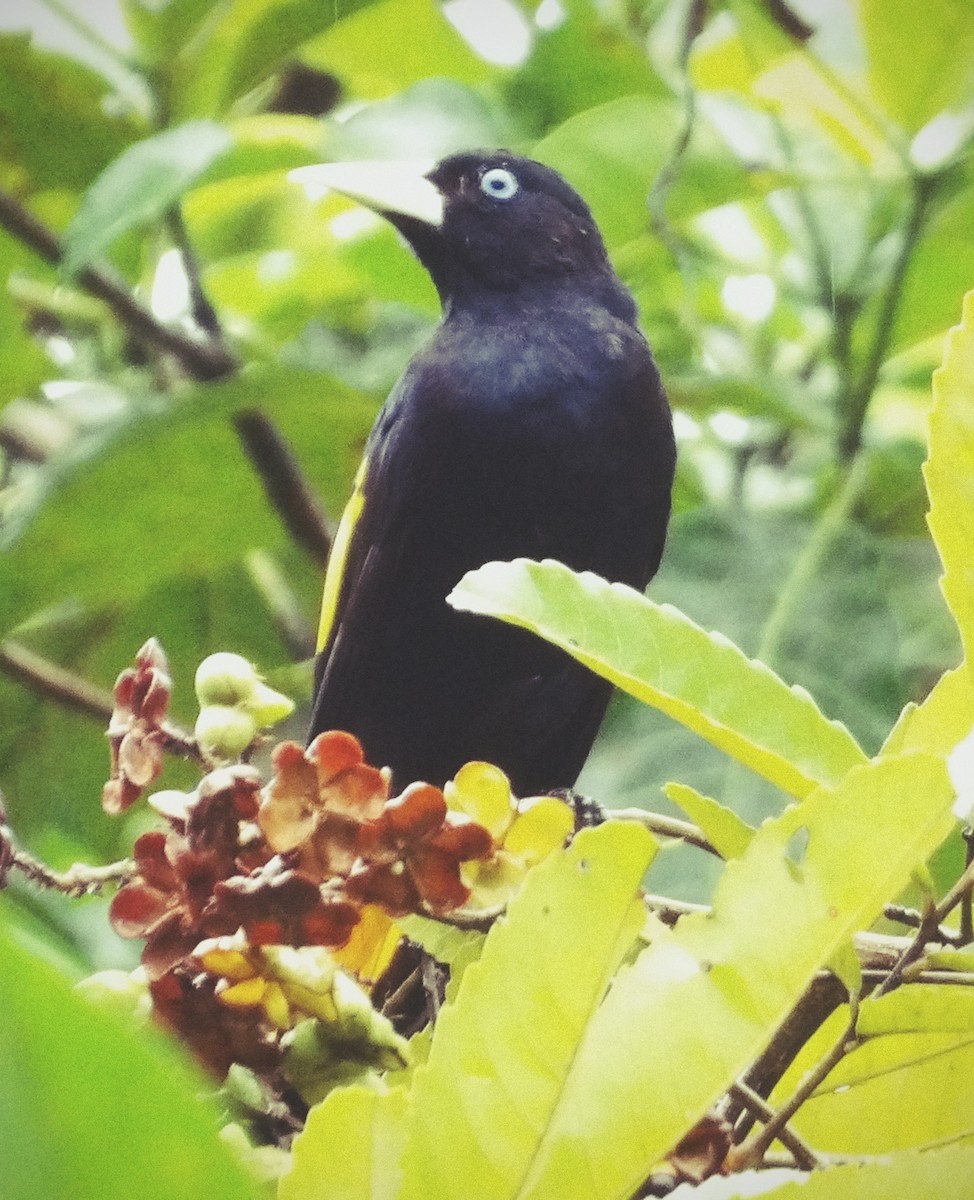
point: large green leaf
(949, 472)
(243, 45)
(941, 721)
(921, 57)
(394, 44)
(935, 1175)
(661, 657)
(175, 495)
(351, 1148)
(55, 128)
(90, 1107)
(701, 1002)
(502, 1054)
(141, 185)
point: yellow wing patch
(339, 555)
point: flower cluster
(258, 902)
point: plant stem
(793, 592)
(285, 485)
(805, 1158)
(55, 682)
(775, 1126)
(857, 400)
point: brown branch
(669, 827)
(774, 1128)
(202, 360)
(805, 1158)
(284, 482)
(824, 994)
(66, 688)
(929, 930)
(78, 880)
(277, 594)
(55, 682)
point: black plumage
(532, 424)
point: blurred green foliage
(788, 189)
(789, 201)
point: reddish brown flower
(141, 703)
(172, 901)
(318, 801)
(411, 854)
(276, 905)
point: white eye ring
(499, 183)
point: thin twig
(966, 913)
(202, 360)
(55, 682)
(929, 931)
(822, 997)
(774, 1127)
(203, 312)
(284, 482)
(793, 594)
(669, 827)
(858, 401)
(78, 880)
(805, 1158)
(282, 604)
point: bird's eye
(498, 183)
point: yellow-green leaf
(921, 56)
(350, 1147)
(943, 719)
(723, 828)
(661, 657)
(502, 1052)
(701, 1002)
(918, 1042)
(949, 473)
(934, 1175)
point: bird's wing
(338, 560)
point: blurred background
(788, 189)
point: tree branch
(48, 679)
(284, 482)
(201, 360)
(79, 880)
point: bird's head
(478, 220)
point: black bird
(532, 424)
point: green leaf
(661, 657)
(90, 1107)
(140, 186)
(175, 494)
(244, 44)
(680, 1024)
(444, 942)
(949, 472)
(933, 1175)
(350, 1148)
(916, 1042)
(390, 45)
(944, 718)
(722, 827)
(586, 61)
(612, 153)
(921, 57)
(42, 94)
(503, 1053)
